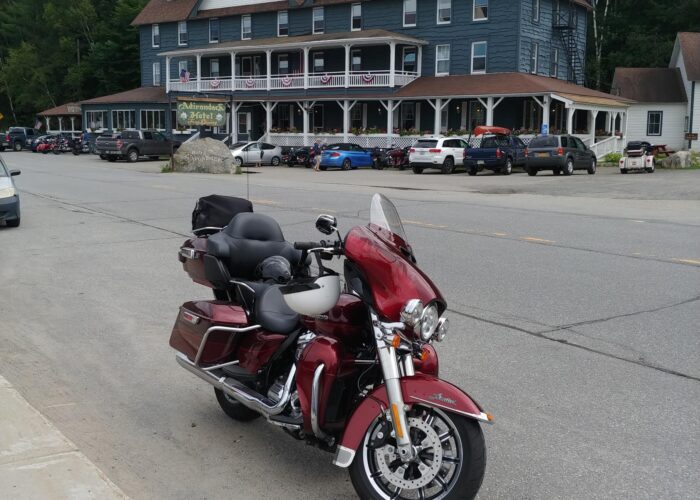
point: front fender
(418, 389)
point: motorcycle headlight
(441, 332)
(429, 322)
(7, 192)
(412, 313)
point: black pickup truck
(133, 144)
(495, 149)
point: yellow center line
(535, 240)
(500, 234)
(688, 261)
(423, 224)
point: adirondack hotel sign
(201, 112)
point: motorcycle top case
(195, 318)
(217, 210)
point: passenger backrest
(247, 240)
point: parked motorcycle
(352, 371)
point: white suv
(443, 153)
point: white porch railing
(366, 141)
(356, 79)
(612, 144)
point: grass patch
(166, 168)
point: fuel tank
(345, 322)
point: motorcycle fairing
(418, 389)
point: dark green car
(562, 154)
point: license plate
(113, 152)
(480, 162)
(635, 163)
(542, 155)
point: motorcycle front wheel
(450, 463)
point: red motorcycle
(352, 371)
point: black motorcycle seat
(272, 312)
(249, 239)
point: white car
(442, 153)
(249, 153)
(638, 155)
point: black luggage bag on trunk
(216, 211)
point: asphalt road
(574, 307)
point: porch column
(167, 74)
(346, 119)
(233, 71)
(489, 112)
(48, 124)
(419, 60)
(389, 121)
(72, 123)
(392, 64)
(608, 122)
(199, 72)
(306, 67)
(305, 114)
(347, 66)
(546, 112)
(592, 115)
(234, 122)
(570, 120)
(269, 108)
(437, 108)
(60, 125)
(624, 129)
(268, 57)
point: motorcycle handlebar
(308, 245)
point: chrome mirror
(326, 224)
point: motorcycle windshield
(384, 220)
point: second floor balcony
(343, 60)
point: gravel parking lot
(574, 308)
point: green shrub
(166, 168)
(612, 157)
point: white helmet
(312, 296)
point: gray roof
(650, 84)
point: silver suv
(442, 153)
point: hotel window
(444, 119)
(182, 33)
(123, 119)
(282, 23)
(408, 115)
(318, 62)
(318, 117)
(409, 59)
(318, 22)
(479, 57)
(444, 11)
(481, 10)
(554, 66)
(534, 57)
(214, 30)
(356, 17)
(246, 27)
(214, 68)
(156, 74)
(357, 116)
(155, 36)
(96, 120)
(283, 120)
(153, 119)
(409, 13)
(655, 120)
(182, 65)
(536, 10)
(356, 60)
(283, 64)
(442, 60)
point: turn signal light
(396, 342)
(499, 153)
(412, 150)
(435, 150)
(489, 417)
(397, 422)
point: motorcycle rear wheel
(234, 409)
(457, 474)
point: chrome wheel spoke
(396, 494)
(451, 460)
(421, 493)
(445, 436)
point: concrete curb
(38, 462)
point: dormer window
(214, 30)
(319, 23)
(182, 38)
(155, 36)
(246, 27)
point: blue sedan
(345, 156)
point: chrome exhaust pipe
(240, 392)
(315, 389)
